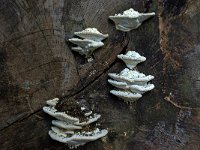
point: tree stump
(37, 64)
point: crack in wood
(22, 119)
(34, 113)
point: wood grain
(37, 64)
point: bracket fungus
(118, 84)
(90, 40)
(130, 19)
(85, 46)
(65, 125)
(126, 95)
(52, 102)
(59, 115)
(73, 140)
(132, 58)
(73, 128)
(92, 34)
(131, 83)
(141, 89)
(131, 77)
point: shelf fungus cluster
(130, 19)
(131, 83)
(74, 125)
(89, 40)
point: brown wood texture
(37, 64)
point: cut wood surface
(37, 64)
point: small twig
(168, 98)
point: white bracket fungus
(92, 34)
(65, 125)
(71, 130)
(59, 115)
(131, 59)
(141, 89)
(126, 95)
(76, 139)
(131, 77)
(130, 19)
(85, 46)
(90, 120)
(88, 113)
(52, 102)
(118, 84)
(91, 40)
(132, 82)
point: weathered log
(37, 64)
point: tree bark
(37, 64)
